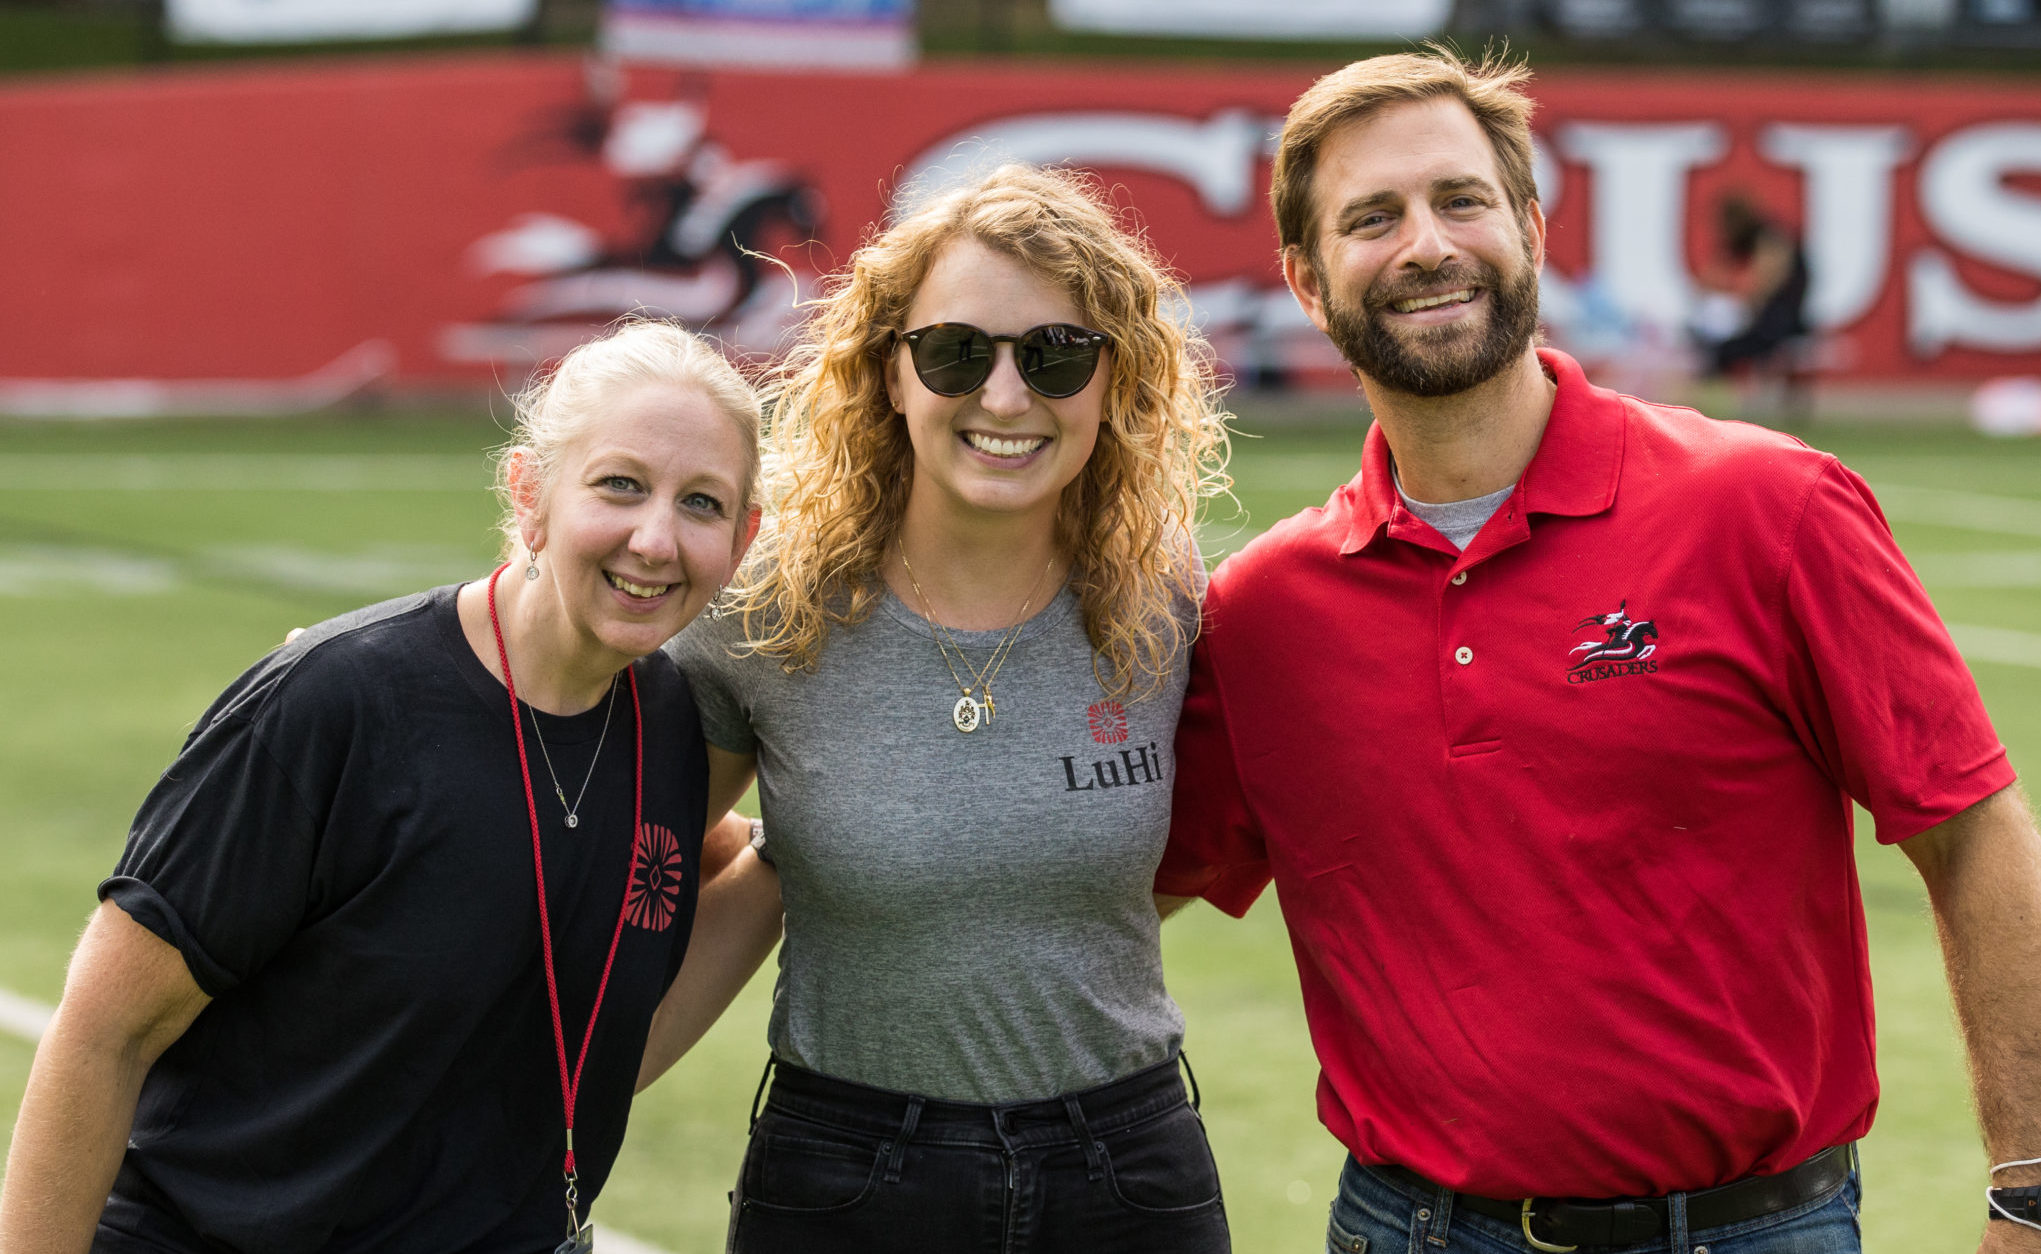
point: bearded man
(1547, 727)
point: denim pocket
(1339, 1241)
(1162, 1166)
(803, 1167)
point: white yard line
(2003, 645)
(19, 1016)
(244, 472)
(99, 571)
(29, 1019)
(1981, 568)
(1970, 511)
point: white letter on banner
(1848, 230)
(1965, 200)
(1545, 172)
(1639, 208)
(1217, 157)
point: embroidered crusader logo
(1626, 647)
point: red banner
(446, 220)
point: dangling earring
(531, 566)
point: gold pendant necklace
(970, 713)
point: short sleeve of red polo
(1215, 849)
(1876, 689)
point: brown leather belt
(1562, 1223)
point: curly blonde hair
(838, 459)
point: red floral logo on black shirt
(1108, 722)
(657, 870)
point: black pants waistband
(862, 1108)
(1623, 1221)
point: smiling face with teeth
(1003, 450)
(642, 521)
(1420, 269)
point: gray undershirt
(1458, 521)
(969, 916)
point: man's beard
(1436, 360)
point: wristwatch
(2022, 1204)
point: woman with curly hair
(955, 663)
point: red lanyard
(570, 1088)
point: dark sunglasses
(955, 358)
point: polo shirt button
(1463, 655)
(1460, 579)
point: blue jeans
(1377, 1215)
(840, 1168)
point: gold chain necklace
(969, 712)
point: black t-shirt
(342, 853)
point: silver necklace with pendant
(573, 811)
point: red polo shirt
(1561, 824)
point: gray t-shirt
(969, 916)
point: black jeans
(839, 1168)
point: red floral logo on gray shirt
(1108, 722)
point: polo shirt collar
(1574, 472)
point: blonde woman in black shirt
(377, 967)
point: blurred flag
(302, 21)
(830, 34)
(1265, 19)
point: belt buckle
(1535, 1243)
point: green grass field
(143, 566)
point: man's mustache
(1382, 295)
